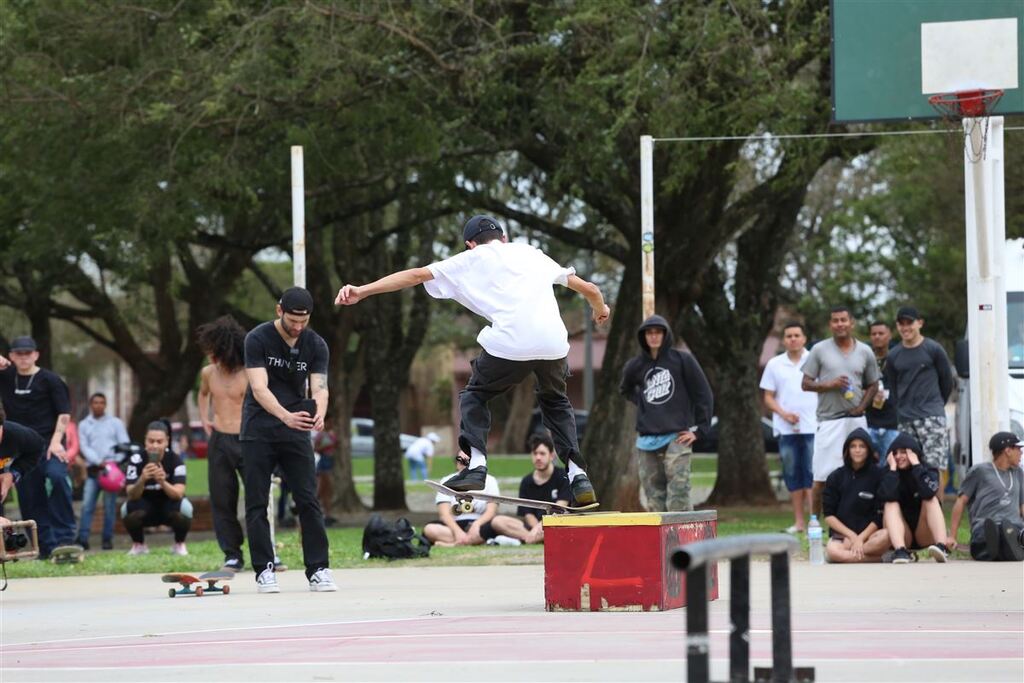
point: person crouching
(155, 486)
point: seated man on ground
(913, 514)
(155, 486)
(463, 528)
(993, 493)
(545, 483)
(852, 507)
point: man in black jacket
(21, 450)
(674, 402)
(913, 515)
(852, 507)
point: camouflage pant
(933, 436)
(665, 476)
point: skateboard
(464, 501)
(20, 541)
(67, 554)
(187, 581)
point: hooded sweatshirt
(852, 495)
(671, 392)
(910, 486)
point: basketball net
(967, 112)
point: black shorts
(464, 524)
(155, 512)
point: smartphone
(153, 457)
(308, 405)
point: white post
(298, 219)
(647, 222)
(986, 286)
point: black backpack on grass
(394, 541)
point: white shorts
(828, 444)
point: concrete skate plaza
(926, 621)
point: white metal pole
(647, 222)
(298, 219)
(986, 286)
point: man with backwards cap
(993, 493)
(510, 285)
(286, 363)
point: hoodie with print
(670, 391)
(851, 495)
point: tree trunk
(521, 402)
(388, 477)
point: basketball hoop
(974, 106)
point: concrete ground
(962, 621)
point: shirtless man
(223, 383)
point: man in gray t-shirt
(920, 379)
(843, 372)
(993, 493)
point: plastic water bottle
(848, 393)
(814, 541)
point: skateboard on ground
(464, 501)
(67, 554)
(187, 581)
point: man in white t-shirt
(419, 454)
(509, 284)
(464, 528)
(793, 418)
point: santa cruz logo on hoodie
(658, 386)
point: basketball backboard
(888, 56)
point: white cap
(434, 437)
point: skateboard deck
(67, 554)
(189, 583)
(463, 501)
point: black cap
(478, 224)
(25, 343)
(296, 300)
(1003, 440)
(907, 313)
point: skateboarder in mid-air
(509, 284)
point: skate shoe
(583, 491)
(468, 480)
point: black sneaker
(991, 538)
(468, 480)
(938, 552)
(108, 544)
(583, 491)
(84, 544)
(901, 556)
(1013, 543)
(233, 564)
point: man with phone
(155, 487)
(286, 363)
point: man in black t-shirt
(546, 482)
(286, 363)
(21, 449)
(155, 486)
(38, 399)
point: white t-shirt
(509, 284)
(419, 449)
(479, 506)
(784, 377)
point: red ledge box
(616, 561)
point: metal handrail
(694, 555)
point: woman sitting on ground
(851, 504)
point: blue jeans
(883, 438)
(796, 452)
(90, 494)
(44, 494)
(417, 467)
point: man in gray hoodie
(674, 403)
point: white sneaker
(322, 581)
(179, 549)
(501, 539)
(266, 582)
(139, 549)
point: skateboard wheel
(171, 592)
(466, 506)
(199, 591)
(225, 590)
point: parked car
(708, 443)
(195, 433)
(362, 438)
(537, 427)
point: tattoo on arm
(318, 383)
(62, 424)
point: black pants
(225, 465)
(493, 376)
(979, 549)
(146, 512)
(295, 458)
